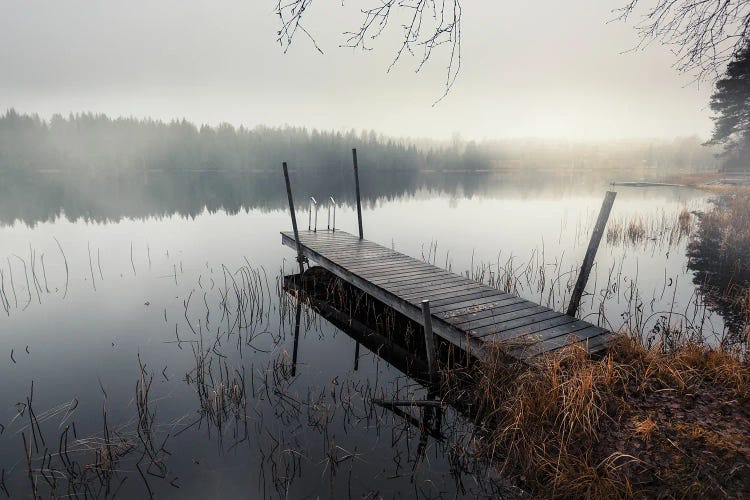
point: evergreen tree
(731, 103)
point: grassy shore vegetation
(636, 423)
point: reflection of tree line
(105, 197)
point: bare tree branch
(429, 25)
(704, 34)
(290, 14)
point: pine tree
(731, 103)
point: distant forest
(97, 144)
(96, 168)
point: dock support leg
(300, 257)
(359, 201)
(588, 260)
(429, 341)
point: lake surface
(172, 279)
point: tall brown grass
(550, 423)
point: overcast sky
(547, 69)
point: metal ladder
(314, 208)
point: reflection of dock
(360, 323)
(465, 313)
(354, 322)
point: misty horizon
(568, 75)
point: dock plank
(408, 277)
(462, 297)
(519, 317)
(390, 264)
(430, 282)
(470, 305)
(500, 315)
(381, 276)
(480, 311)
(437, 293)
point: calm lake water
(151, 276)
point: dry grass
(684, 221)
(570, 426)
(656, 229)
(635, 231)
(700, 432)
(645, 428)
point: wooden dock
(465, 313)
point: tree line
(98, 143)
(90, 144)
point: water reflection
(44, 197)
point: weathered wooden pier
(463, 312)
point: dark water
(182, 279)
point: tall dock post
(588, 260)
(359, 201)
(429, 340)
(300, 257)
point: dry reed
(567, 425)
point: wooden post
(359, 201)
(300, 257)
(588, 260)
(429, 340)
